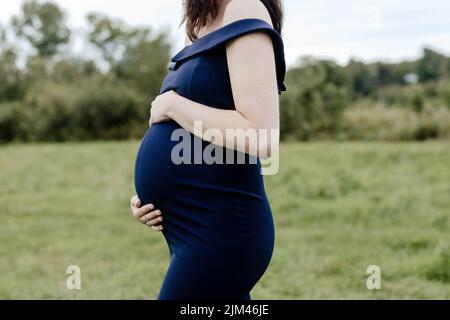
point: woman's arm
(251, 63)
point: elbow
(268, 148)
(262, 139)
(264, 154)
(268, 141)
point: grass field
(338, 208)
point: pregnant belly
(159, 176)
(202, 203)
(153, 167)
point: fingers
(147, 214)
(157, 228)
(153, 215)
(155, 223)
(135, 201)
(150, 121)
(153, 219)
(140, 212)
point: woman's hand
(160, 107)
(147, 214)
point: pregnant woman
(217, 220)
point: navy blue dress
(217, 220)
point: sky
(369, 30)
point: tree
(317, 95)
(363, 79)
(10, 75)
(144, 63)
(432, 66)
(70, 70)
(43, 25)
(135, 55)
(110, 36)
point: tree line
(50, 94)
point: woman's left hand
(160, 106)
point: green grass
(338, 208)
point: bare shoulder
(246, 9)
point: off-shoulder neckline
(229, 31)
(230, 24)
(224, 27)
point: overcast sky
(339, 29)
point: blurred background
(364, 174)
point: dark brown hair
(196, 13)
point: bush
(434, 123)
(99, 108)
(108, 110)
(11, 81)
(379, 122)
(49, 114)
(368, 121)
(10, 120)
(443, 91)
(412, 96)
(318, 92)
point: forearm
(225, 128)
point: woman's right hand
(147, 215)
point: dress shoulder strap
(231, 31)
